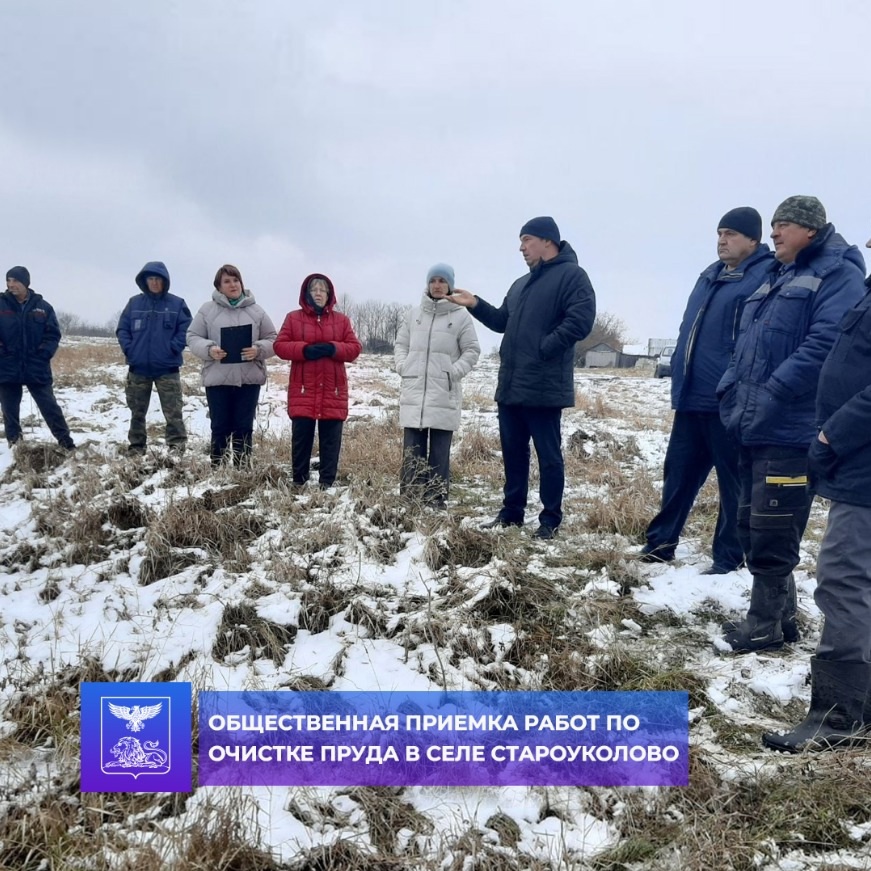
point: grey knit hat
(804, 211)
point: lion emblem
(129, 753)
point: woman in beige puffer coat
(232, 388)
(436, 347)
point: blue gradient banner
(443, 739)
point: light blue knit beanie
(441, 270)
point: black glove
(318, 350)
(822, 460)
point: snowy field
(163, 569)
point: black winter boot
(761, 629)
(838, 693)
(788, 622)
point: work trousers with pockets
(773, 507)
(843, 590)
(138, 393)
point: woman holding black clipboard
(233, 337)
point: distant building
(603, 356)
(635, 350)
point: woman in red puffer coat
(318, 341)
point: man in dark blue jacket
(840, 465)
(544, 314)
(29, 336)
(152, 332)
(767, 403)
(699, 441)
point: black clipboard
(233, 340)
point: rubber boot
(788, 623)
(838, 693)
(761, 629)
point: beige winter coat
(436, 347)
(205, 333)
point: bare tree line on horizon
(376, 324)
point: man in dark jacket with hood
(152, 332)
(544, 314)
(840, 465)
(699, 441)
(29, 336)
(767, 403)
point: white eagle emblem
(135, 715)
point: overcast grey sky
(371, 139)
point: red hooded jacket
(317, 388)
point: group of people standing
(234, 337)
(544, 314)
(771, 385)
(231, 334)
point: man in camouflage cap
(840, 463)
(767, 399)
(804, 211)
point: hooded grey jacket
(436, 347)
(205, 332)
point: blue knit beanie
(19, 273)
(544, 227)
(441, 270)
(744, 220)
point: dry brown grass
(453, 545)
(372, 451)
(386, 814)
(45, 710)
(477, 455)
(733, 824)
(221, 840)
(74, 360)
(630, 501)
(242, 627)
(80, 525)
(471, 851)
(347, 856)
(478, 399)
(319, 604)
(384, 520)
(594, 405)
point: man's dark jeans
(698, 443)
(517, 425)
(43, 396)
